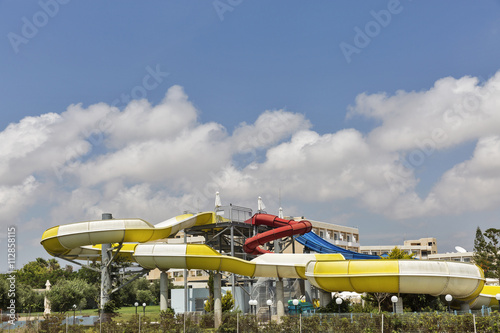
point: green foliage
(88, 275)
(334, 307)
(4, 291)
(145, 296)
(65, 293)
(140, 290)
(227, 302)
(481, 254)
(28, 299)
(493, 250)
(397, 253)
(355, 323)
(209, 304)
(36, 273)
(422, 303)
(486, 251)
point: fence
(236, 322)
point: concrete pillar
(325, 297)
(308, 291)
(105, 268)
(163, 291)
(399, 305)
(464, 307)
(217, 300)
(280, 299)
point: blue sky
(236, 71)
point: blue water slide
(317, 244)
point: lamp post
(252, 303)
(448, 299)
(136, 305)
(295, 302)
(394, 300)
(338, 300)
(74, 314)
(269, 303)
(143, 309)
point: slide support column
(163, 291)
(217, 300)
(105, 268)
(280, 299)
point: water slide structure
(134, 240)
(317, 244)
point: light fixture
(448, 299)
(338, 300)
(394, 300)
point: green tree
(397, 253)
(209, 304)
(28, 299)
(36, 273)
(65, 293)
(481, 253)
(4, 292)
(493, 251)
(145, 296)
(227, 302)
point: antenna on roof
(280, 212)
(460, 249)
(217, 200)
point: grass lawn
(125, 312)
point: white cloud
(451, 112)
(472, 185)
(14, 199)
(140, 121)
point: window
(199, 304)
(348, 238)
(335, 236)
(321, 234)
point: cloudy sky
(383, 115)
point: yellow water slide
(330, 272)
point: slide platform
(330, 272)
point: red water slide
(281, 228)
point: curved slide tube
(330, 272)
(73, 240)
(317, 244)
(281, 228)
